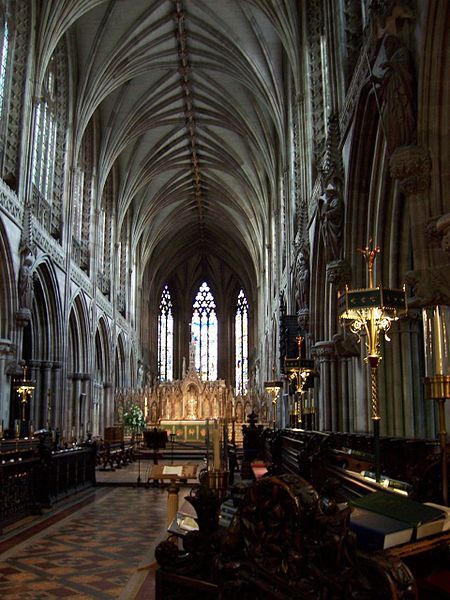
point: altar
(182, 406)
(185, 431)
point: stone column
(56, 398)
(328, 390)
(106, 408)
(36, 397)
(46, 395)
(74, 412)
(7, 351)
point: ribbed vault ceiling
(190, 101)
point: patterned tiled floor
(94, 552)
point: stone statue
(398, 94)
(191, 407)
(331, 215)
(301, 280)
(26, 283)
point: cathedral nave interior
(224, 238)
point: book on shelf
(375, 531)
(423, 518)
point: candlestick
(216, 446)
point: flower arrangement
(134, 419)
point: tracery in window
(165, 336)
(4, 55)
(241, 344)
(205, 333)
(45, 130)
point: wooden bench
(114, 455)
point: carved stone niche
(339, 273)
(411, 166)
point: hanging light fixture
(371, 311)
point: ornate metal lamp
(273, 388)
(437, 371)
(25, 390)
(372, 310)
(299, 370)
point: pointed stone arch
(78, 361)
(8, 307)
(44, 334)
(120, 363)
(101, 413)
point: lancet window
(241, 344)
(205, 333)
(48, 158)
(45, 129)
(4, 60)
(165, 336)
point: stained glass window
(165, 337)
(205, 333)
(241, 339)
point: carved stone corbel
(430, 286)
(23, 317)
(339, 273)
(303, 318)
(443, 230)
(411, 166)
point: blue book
(398, 507)
(375, 531)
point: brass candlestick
(372, 310)
(437, 380)
(273, 388)
(299, 370)
(25, 391)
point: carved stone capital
(14, 369)
(324, 350)
(339, 273)
(429, 286)
(411, 166)
(7, 348)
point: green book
(397, 506)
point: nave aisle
(91, 547)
